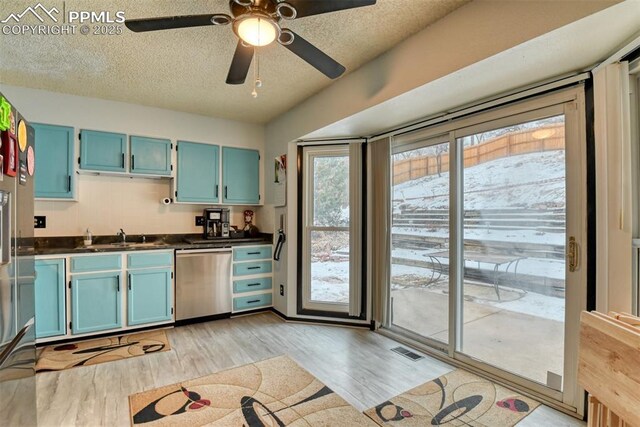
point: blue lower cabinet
(247, 268)
(251, 285)
(149, 296)
(251, 253)
(252, 301)
(145, 260)
(89, 264)
(96, 302)
(50, 298)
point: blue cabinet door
(102, 151)
(247, 268)
(50, 298)
(198, 173)
(244, 253)
(253, 301)
(240, 175)
(150, 156)
(54, 151)
(149, 298)
(95, 302)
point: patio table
(484, 258)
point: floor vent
(407, 353)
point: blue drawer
(159, 259)
(96, 263)
(253, 301)
(246, 268)
(250, 285)
(251, 253)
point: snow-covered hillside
(534, 180)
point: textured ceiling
(185, 69)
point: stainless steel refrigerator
(17, 274)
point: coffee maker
(216, 223)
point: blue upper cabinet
(102, 151)
(54, 150)
(198, 173)
(50, 298)
(150, 156)
(240, 175)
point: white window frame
(352, 151)
(571, 103)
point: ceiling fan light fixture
(286, 37)
(286, 11)
(257, 30)
(220, 19)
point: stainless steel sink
(124, 245)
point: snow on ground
(513, 236)
(551, 268)
(525, 181)
(330, 281)
(534, 304)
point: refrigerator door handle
(5, 227)
(8, 349)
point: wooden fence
(546, 138)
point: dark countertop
(75, 245)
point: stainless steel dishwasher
(203, 283)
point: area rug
(272, 392)
(100, 350)
(458, 398)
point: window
(331, 267)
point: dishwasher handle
(183, 252)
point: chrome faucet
(122, 235)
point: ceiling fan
(259, 23)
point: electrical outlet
(281, 290)
(199, 220)
(39, 222)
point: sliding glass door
(331, 231)
(420, 239)
(514, 184)
(488, 215)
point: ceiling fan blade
(316, 7)
(240, 64)
(315, 57)
(170, 22)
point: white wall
(106, 204)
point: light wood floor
(356, 364)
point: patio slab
(520, 343)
